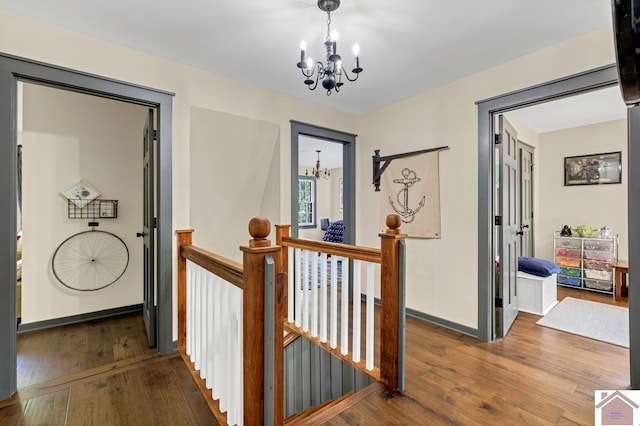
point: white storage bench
(536, 295)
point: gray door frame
(348, 141)
(14, 69)
(571, 85)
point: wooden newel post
(389, 295)
(283, 266)
(253, 318)
(184, 238)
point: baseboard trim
(175, 345)
(434, 320)
(73, 319)
(442, 322)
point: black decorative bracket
(379, 170)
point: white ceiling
(590, 108)
(330, 155)
(407, 47)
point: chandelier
(332, 72)
(317, 171)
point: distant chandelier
(332, 72)
(317, 171)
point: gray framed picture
(593, 169)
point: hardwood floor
(536, 375)
(101, 373)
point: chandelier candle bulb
(303, 47)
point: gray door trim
(348, 141)
(633, 154)
(582, 82)
(13, 69)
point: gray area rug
(590, 319)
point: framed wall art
(593, 169)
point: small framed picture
(81, 193)
(593, 169)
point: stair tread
(324, 412)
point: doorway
(14, 70)
(320, 190)
(67, 138)
(487, 111)
(308, 136)
(580, 83)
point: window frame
(314, 204)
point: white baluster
(202, 320)
(357, 298)
(334, 301)
(323, 298)
(229, 347)
(224, 361)
(204, 363)
(239, 375)
(189, 306)
(314, 294)
(305, 291)
(211, 343)
(217, 327)
(370, 316)
(197, 319)
(291, 281)
(298, 292)
(344, 314)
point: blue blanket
(538, 267)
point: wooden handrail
(226, 269)
(366, 254)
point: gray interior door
(507, 226)
(525, 196)
(148, 231)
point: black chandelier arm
(317, 70)
(346, 74)
(317, 67)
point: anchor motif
(407, 214)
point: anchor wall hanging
(410, 188)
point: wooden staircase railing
(266, 279)
(310, 313)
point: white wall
(193, 87)
(336, 175)
(224, 191)
(66, 137)
(442, 274)
(593, 205)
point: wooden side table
(620, 269)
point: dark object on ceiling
(626, 29)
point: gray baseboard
(175, 345)
(443, 322)
(435, 320)
(56, 322)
